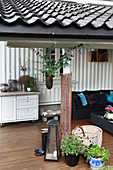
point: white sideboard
(19, 106)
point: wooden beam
(65, 117)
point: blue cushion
(83, 99)
(110, 98)
(111, 92)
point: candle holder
(52, 147)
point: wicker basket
(89, 134)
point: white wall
(90, 76)
(2, 63)
(93, 75)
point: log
(65, 116)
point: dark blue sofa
(97, 101)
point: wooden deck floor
(19, 140)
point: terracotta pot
(71, 159)
(49, 82)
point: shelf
(103, 57)
(95, 56)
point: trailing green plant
(50, 65)
(96, 152)
(71, 145)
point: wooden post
(65, 117)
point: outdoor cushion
(111, 92)
(83, 99)
(77, 101)
(86, 108)
(91, 99)
(110, 98)
(100, 98)
(100, 107)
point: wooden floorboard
(19, 140)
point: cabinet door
(8, 109)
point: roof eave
(22, 30)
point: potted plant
(30, 84)
(71, 147)
(97, 156)
(109, 112)
(51, 66)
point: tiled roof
(49, 12)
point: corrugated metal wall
(85, 75)
(93, 75)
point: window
(55, 53)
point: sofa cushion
(111, 92)
(110, 98)
(104, 91)
(91, 99)
(87, 107)
(83, 99)
(77, 100)
(100, 107)
(100, 98)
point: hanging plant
(49, 81)
(51, 67)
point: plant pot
(49, 82)
(71, 159)
(28, 89)
(109, 116)
(96, 163)
(23, 87)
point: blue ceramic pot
(96, 163)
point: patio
(19, 140)
(38, 24)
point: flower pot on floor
(96, 163)
(97, 156)
(71, 159)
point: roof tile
(48, 12)
(50, 21)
